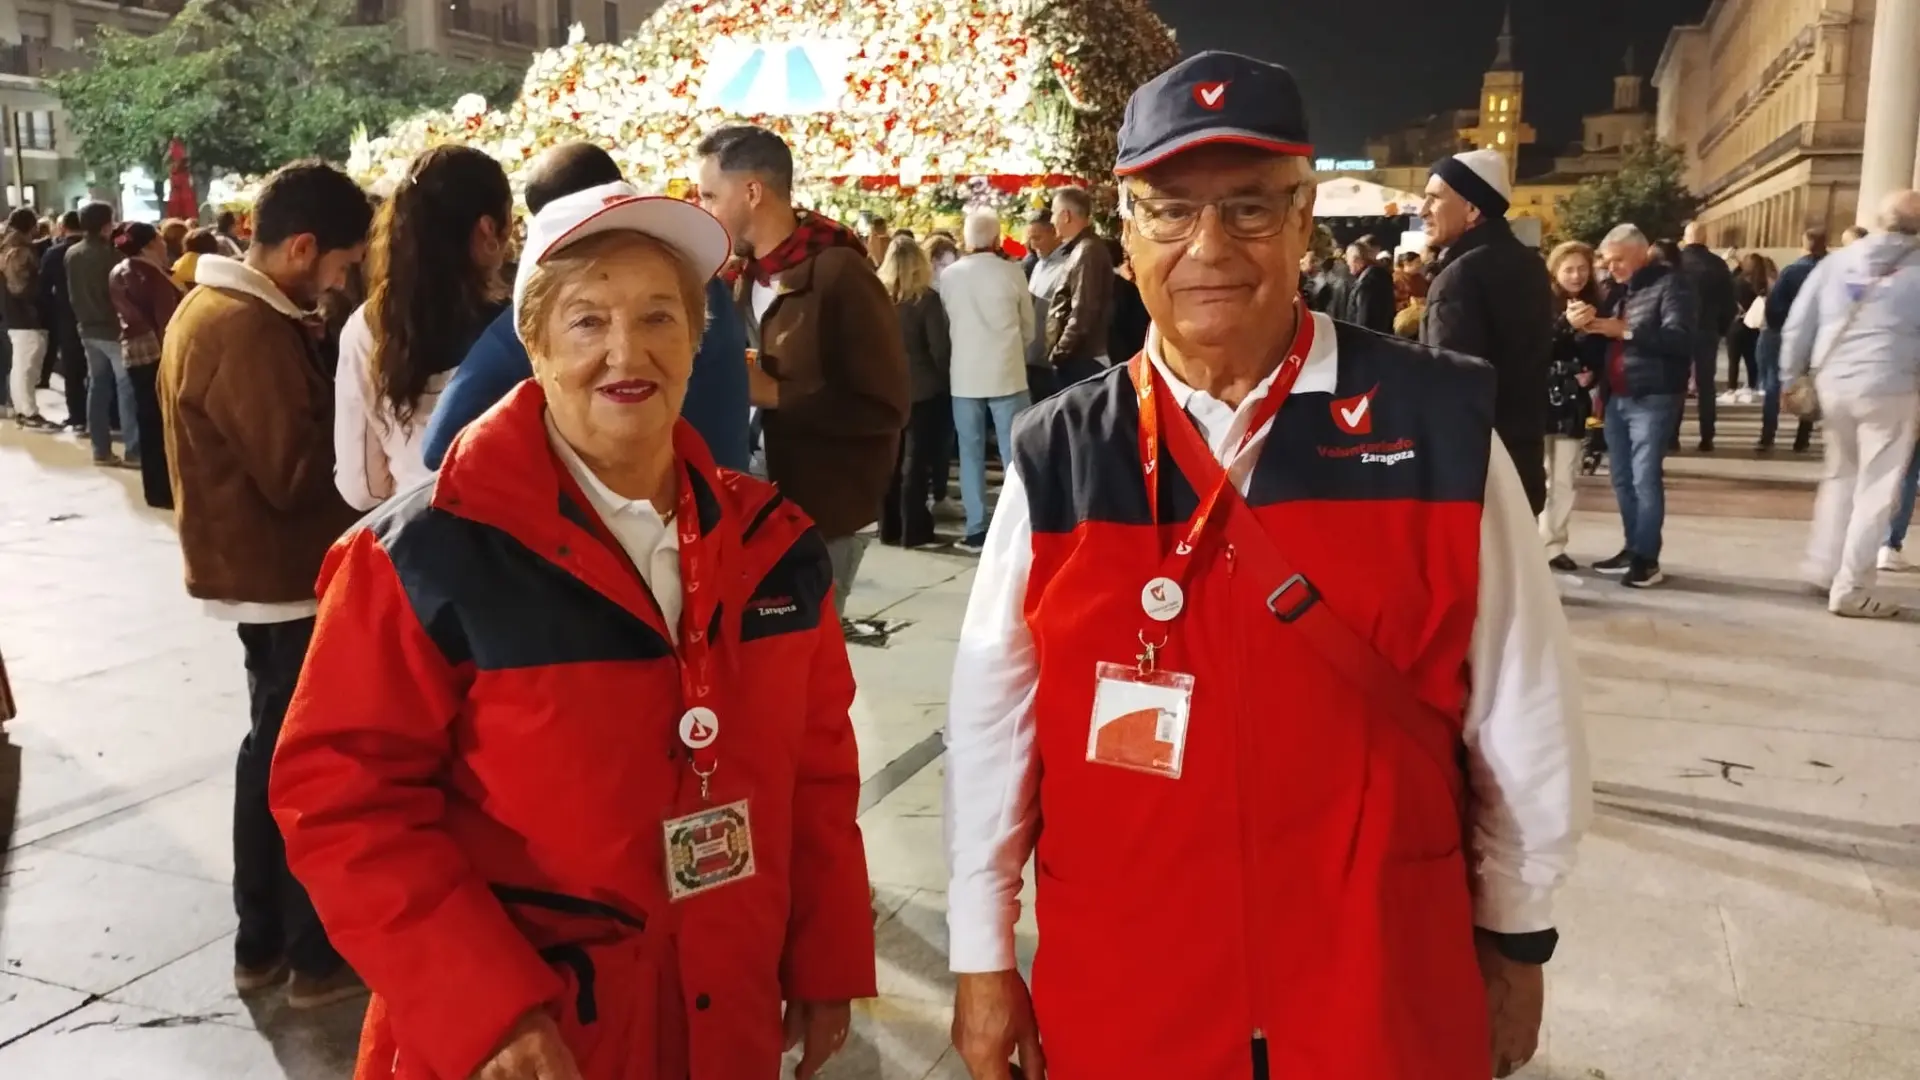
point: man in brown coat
(831, 381)
(249, 425)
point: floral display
(910, 108)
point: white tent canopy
(1343, 196)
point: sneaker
(36, 423)
(1619, 564)
(1863, 606)
(252, 980)
(1892, 561)
(319, 991)
(1643, 574)
(130, 463)
(972, 545)
(1563, 563)
(111, 461)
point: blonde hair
(546, 279)
(906, 271)
(1567, 251)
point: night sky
(1366, 66)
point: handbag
(1756, 317)
(1800, 397)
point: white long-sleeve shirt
(373, 455)
(1527, 758)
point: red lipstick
(628, 391)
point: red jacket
(1304, 877)
(483, 747)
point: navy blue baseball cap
(1214, 97)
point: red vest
(1303, 880)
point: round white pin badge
(1162, 599)
(699, 727)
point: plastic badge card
(1140, 720)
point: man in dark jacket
(1786, 289)
(831, 373)
(1712, 285)
(1653, 327)
(1082, 307)
(716, 402)
(69, 358)
(1490, 298)
(1370, 299)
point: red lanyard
(700, 585)
(1152, 396)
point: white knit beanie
(1480, 176)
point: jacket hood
(1883, 251)
(221, 272)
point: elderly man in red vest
(1263, 667)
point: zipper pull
(1229, 560)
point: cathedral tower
(1502, 94)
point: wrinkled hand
(822, 1026)
(1516, 997)
(1580, 315)
(992, 1022)
(533, 1050)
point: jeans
(844, 554)
(1768, 354)
(107, 375)
(276, 917)
(1638, 430)
(1903, 508)
(970, 420)
(6, 371)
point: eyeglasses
(1243, 217)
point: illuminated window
(1501, 138)
(1493, 103)
(1504, 102)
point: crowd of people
(557, 756)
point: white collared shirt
(651, 542)
(1526, 746)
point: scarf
(814, 234)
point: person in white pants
(1856, 327)
(26, 329)
(1574, 359)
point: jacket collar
(1489, 231)
(221, 272)
(1647, 275)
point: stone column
(1888, 160)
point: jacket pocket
(610, 1013)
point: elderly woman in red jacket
(569, 774)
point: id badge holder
(1140, 719)
(708, 849)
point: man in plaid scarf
(830, 371)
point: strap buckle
(1290, 611)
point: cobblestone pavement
(1747, 906)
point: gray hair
(981, 230)
(1076, 200)
(1900, 213)
(1625, 236)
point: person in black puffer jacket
(1575, 358)
(1651, 326)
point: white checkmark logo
(1352, 416)
(1212, 97)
